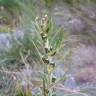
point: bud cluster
(49, 53)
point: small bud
(53, 79)
(46, 50)
(43, 19)
(46, 91)
(42, 22)
(53, 53)
(44, 37)
(46, 17)
(42, 34)
(45, 60)
(51, 48)
(52, 64)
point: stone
(76, 25)
(4, 41)
(84, 60)
(58, 72)
(70, 82)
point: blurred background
(77, 57)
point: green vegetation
(12, 12)
(12, 58)
(42, 46)
(71, 2)
(4, 29)
(49, 2)
(34, 50)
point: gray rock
(17, 34)
(4, 40)
(58, 72)
(1, 86)
(93, 29)
(76, 25)
(70, 82)
(84, 55)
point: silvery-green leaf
(56, 40)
